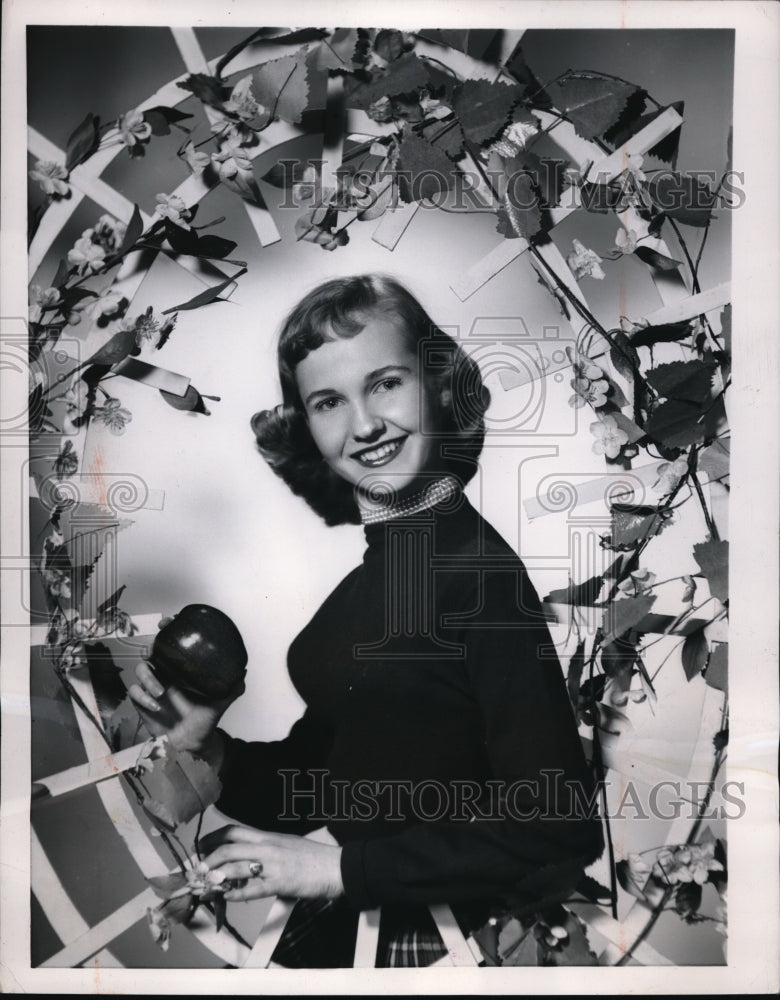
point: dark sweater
(437, 724)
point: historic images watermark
(314, 794)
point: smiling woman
(436, 711)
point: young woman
(438, 746)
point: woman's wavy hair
(341, 307)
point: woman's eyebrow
(379, 372)
(319, 392)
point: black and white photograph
(377, 615)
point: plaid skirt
(321, 934)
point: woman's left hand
(273, 864)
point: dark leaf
(180, 910)
(215, 246)
(655, 259)
(300, 36)
(285, 173)
(160, 119)
(106, 678)
(575, 949)
(204, 298)
(516, 944)
(623, 615)
(629, 118)
(682, 197)
(181, 240)
(664, 333)
(424, 171)
(618, 657)
(532, 89)
(525, 954)
(574, 676)
(109, 605)
(713, 560)
(446, 136)
(548, 175)
(717, 672)
(125, 727)
(721, 739)
(191, 401)
(593, 104)
(135, 228)
(585, 594)
(455, 38)
(676, 424)
(725, 327)
(116, 349)
(62, 273)
(207, 89)
(631, 524)
(689, 380)
(483, 108)
(687, 899)
(666, 148)
(389, 44)
(220, 911)
(82, 142)
(695, 651)
(282, 86)
(630, 879)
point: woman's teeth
(380, 455)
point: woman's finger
(148, 681)
(233, 852)
(230, 834)
(242, 871)
(140, 697)
(254, 889)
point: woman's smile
(380, 454)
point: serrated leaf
(423, 170)
(632, 523)
(207, 89)
(575, 950)
(695, 651)
(180, 786)
(282, 86)
(83, 141)
(656, 259)
(663, 333)
(344, 50)
(666, 148)
(519, 214)
(713, 560)
(446, 137)
(574, 674)
(522, 72)
(628, 118)
(204, 298)
(593, 104)
(682, 197)
(676, 424)
(688, 380)
(625, 614)
(630, 879)
(483, 108)
(548, 174)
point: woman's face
(369, 411)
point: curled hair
(341, 307)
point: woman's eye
(387, 384)
(329, 403)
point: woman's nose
(366, 423)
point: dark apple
(201, 651)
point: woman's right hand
(188, 724)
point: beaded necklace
(429, 496)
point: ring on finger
(255, 869)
